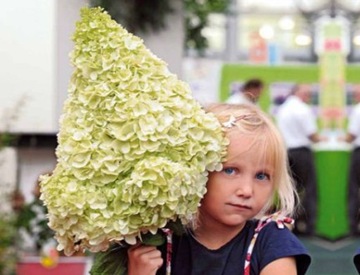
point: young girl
(226, 236)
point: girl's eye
(262, 176)
(229, 171)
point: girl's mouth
(240, 206)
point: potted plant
(7, 244)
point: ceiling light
(302, 40)
(266, 32)
(356, 40)
(286, 23)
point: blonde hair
(247, 119)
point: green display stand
(332, 172)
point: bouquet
(134, 147)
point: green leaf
(155, 240)
(176, 227)
(113, 261)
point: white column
(231, 51)
(67, 13)
(8, 176)
(168, 44)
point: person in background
(248, 94)
(297, 123)
(353, 136)
(226, 236)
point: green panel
(352, 74)
(307, 74)
(332, 170)
(234, 72)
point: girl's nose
(245, 188)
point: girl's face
(243, 187)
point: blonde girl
(239, 228)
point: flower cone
(134, 147)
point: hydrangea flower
(134, 147)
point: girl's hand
(144, 260)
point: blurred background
(213, 45)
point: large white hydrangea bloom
(134, 146)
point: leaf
(176, 227)
(113, 261)
(155, 240)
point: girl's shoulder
(276, 241)
(276, 233)
(275, 220)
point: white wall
(8, 176)
(27, 57)
(34, 47)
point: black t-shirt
(192, 258)
(357, 260)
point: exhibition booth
(332, 157)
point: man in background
(353, 136)
(297, 124)
(249, 92)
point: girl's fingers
(144, 259)
(135, 246)
(158, 262)
(144, 251)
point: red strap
(168, 234)
(280, 221)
